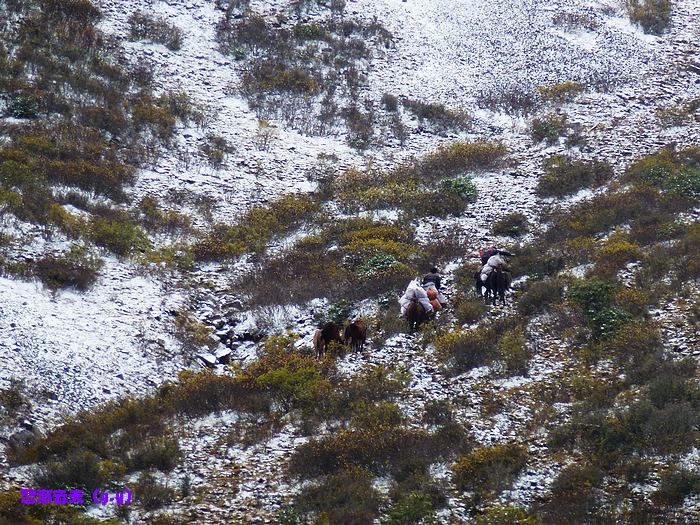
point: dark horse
(415, 315)
(496, 285)
(323, 337)
(355, 335)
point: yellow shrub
(562, 91)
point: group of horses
(355, 333)
(495, 287)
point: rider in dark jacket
(432, 277)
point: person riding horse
(432, 277)
(494, 261)
(494, 275)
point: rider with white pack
(495, 262)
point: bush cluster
(144, 26)
(465, 349)
(433, 185)
(94, 122)
(653, 15)
(561, 92)
(320, 64)
(595, 298)
(437, 114)
(676, 173)
(548, 129)
(76, 268)
(563, 176)
(512, 225)
(489, 470)
(258, 226)
(329, 264)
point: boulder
(207, 358)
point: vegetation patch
(77, 268)
(143, 26)
(512, 225)
(548, 129)
(654, 16)
(260, 225)
(437, 114)
(292, 67)
(489, 470)
(564, 176)
(562, 91)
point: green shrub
(344, 498)
(120, 236)
(513, 351)
(685, 183)
(505, 515)
(489, 469)
(564, 176)
(562, 91)
(152, 495)
(144, 26)
(466, 349)
(340, 311)
(607, 322)
(512, 225)
(653, 15)
(376, 264)
(409, 509)
(539, 295)
(677, 173)
(162, 453)
(592, 295)
(549, 128)
(23, 107)
(461, 186)
(676, 485)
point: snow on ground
(82, 348)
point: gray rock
(207, 358)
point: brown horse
(355, 335)
(323, 337)
(415, 315)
